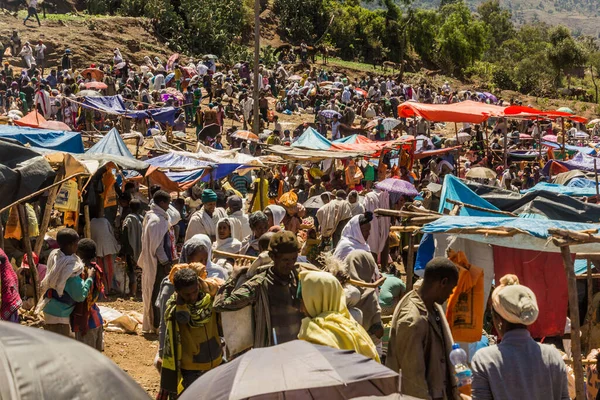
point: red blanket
(544, 274)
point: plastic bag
(68, 197)
(13, 227)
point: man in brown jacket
(420, 339)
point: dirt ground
(134, 353)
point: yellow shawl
(329, 322)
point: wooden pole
(46, 219)
(27, 242)
(596, 178)
(590, 294)
(574, 315)
(458, 144)
(487, 146)
(537, 124)
(87, 231)
(255, 94)
(481, 208)
(562, 128)
(505, 136)
(410, 260)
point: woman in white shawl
(159, 82)
(226, 240)
(27, 55)
(355, 207)
(354, 236)
(275, 215)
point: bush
(503, 80)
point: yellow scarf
(330, 323)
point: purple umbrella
(399, 186)
(330, 114)
(491, 97)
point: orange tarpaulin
(36, 120)
(365, 144)
(466, 111)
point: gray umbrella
(36, 364)
(295, 370)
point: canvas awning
(466, 111)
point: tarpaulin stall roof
(455, 189)
(115, 105)
(47, 139)
(564, 190)
(369, 146)
(579, 161)
(36, 120)
(111, 143)
(527, 236)
(290, 153)
(353, 139)
(311, 139)
(547, 204)
(22, 172)
(583, 149)
(466, 111)
(437, 152)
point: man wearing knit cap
(238, 218)
(272, 292)
(204, 221)
(519, 367)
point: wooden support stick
(586, 276)
(402, 229)
(404, 214)
(574, 315)
(587, 256)
(233, 255)
(424, 220)
(39, 243)
(87, 230)
(410, 263)
(590, 294)
(27, 241)
(481, 208)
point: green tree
(461, 40)
(499, 23)
(307, 22)
(422, 32)
(564, 52)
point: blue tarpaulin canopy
(115, 105)
(583, 149)
(528, 235)
(195, 167)
(47, 139)
(455, 189)
(564, 190)
(311, 139)
(112, 144)
(579, 161)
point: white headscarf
(203, 241)
(229, 245)
(352, 239)
(278, 214)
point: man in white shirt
(40, 51)
(346, 95)
(335, 128)
(32, 12)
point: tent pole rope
(36, 193)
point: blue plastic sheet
(313, 140)
(581, 149)
(564, 190)
(108, 104)
(115, 105)
(46, 139)
(112, 144)
(455, 189)
(581, 183)
(176, 160)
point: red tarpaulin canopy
(532, 113)
(367, 144)
(36, 120)
(466, 111)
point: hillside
(92, 40)
(582, 16)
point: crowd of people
(246, 251)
